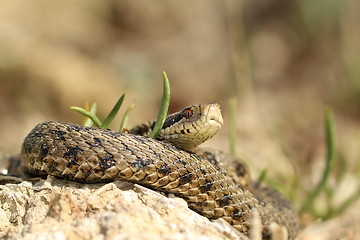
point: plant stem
(113, 112)
(88, 114)
(125, 118)
(165, 101)
(330, 157)
(232, 126)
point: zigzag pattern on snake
(92, 155)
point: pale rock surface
(59, 209)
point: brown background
(284, 61)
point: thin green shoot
(88, 114)
(88, 122)
(330, 158)
(350, 200)
(113, 112)
(165, 101)
(261, 178)
(232, 126)
(125, 118)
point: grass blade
(232, 126)
(345, 205)
(113, 112)
(88, 114)
(262, 176)
(125, 118)
(88, 122)
(330, 157)
(165, 101)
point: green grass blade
(113, 112)
(125, 118)
(165, 101)
(88, 122)
(232, 126)
(262, 176)
(88, 114)
(330, 157)
(345, 205)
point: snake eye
(188, 112)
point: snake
(170, 163)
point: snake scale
(93, 155)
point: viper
(212, 186)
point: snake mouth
(214, 115)
(215, 119)
(215, 122)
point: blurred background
(284, 61)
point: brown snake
(94, 155)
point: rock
(60, 209)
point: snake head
(192, 126)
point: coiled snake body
(97, 155)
